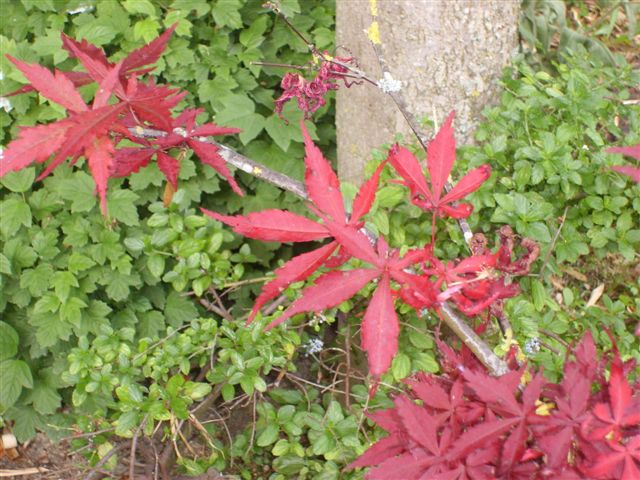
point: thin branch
(553, 242)
(94, 471)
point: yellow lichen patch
(257, 171)
(544, 408)
(139, 130)
(373, 7)
(373, 32)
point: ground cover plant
(126, 307)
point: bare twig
(134, 444)
(94, 471)
(555, 239)
(22, 472)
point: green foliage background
(69, 275)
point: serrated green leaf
(179, 310)
(15, 212)
(227, 13)
(62, 283)
(146, 29)
(37, 280)
(144, 7)
(44, 398)
(20, 181)
(15, 375)
(79, 263)
(9, 341)
(5, 265)
(121, 206)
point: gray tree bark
(449, 55)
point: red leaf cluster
(417, 277)
(466, 424)
(94, 131)
(310, 93)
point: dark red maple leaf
(441, 155)
(556, 431)
(621, 411)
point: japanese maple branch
(482, 351)
(386, 85)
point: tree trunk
(448, 54)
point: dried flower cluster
(310, 94)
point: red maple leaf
(380, 327)
(83, 133)
(441, 155)
(621, 411)
(631, 151)
(283, 226)
(94, 131)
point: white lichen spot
(468, 236)
(180, 131)
(388, 84)
(245, 167)
(80, 9)
(585, 147)
(1, 153)
(5, 104)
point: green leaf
(144, 7)
(281, 132)
(15, 212)
(44, 398)
(401, 366)
(5, 265)
(25, 422)
(62, 283)
(121, 206)
(78, 263)
(150, 325)
(126, 424)
(226, 13)
(289, 7)
(253, 36)
(37, 280)
(239, 111)
(334, 412)
(79, 190)
(538, 231)
(8, 341)
(19, 181)
(179, 310)
(539, 295)
(15, 375)
(71, 310)
(155, 265)
(146, 29)
(268, 436)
